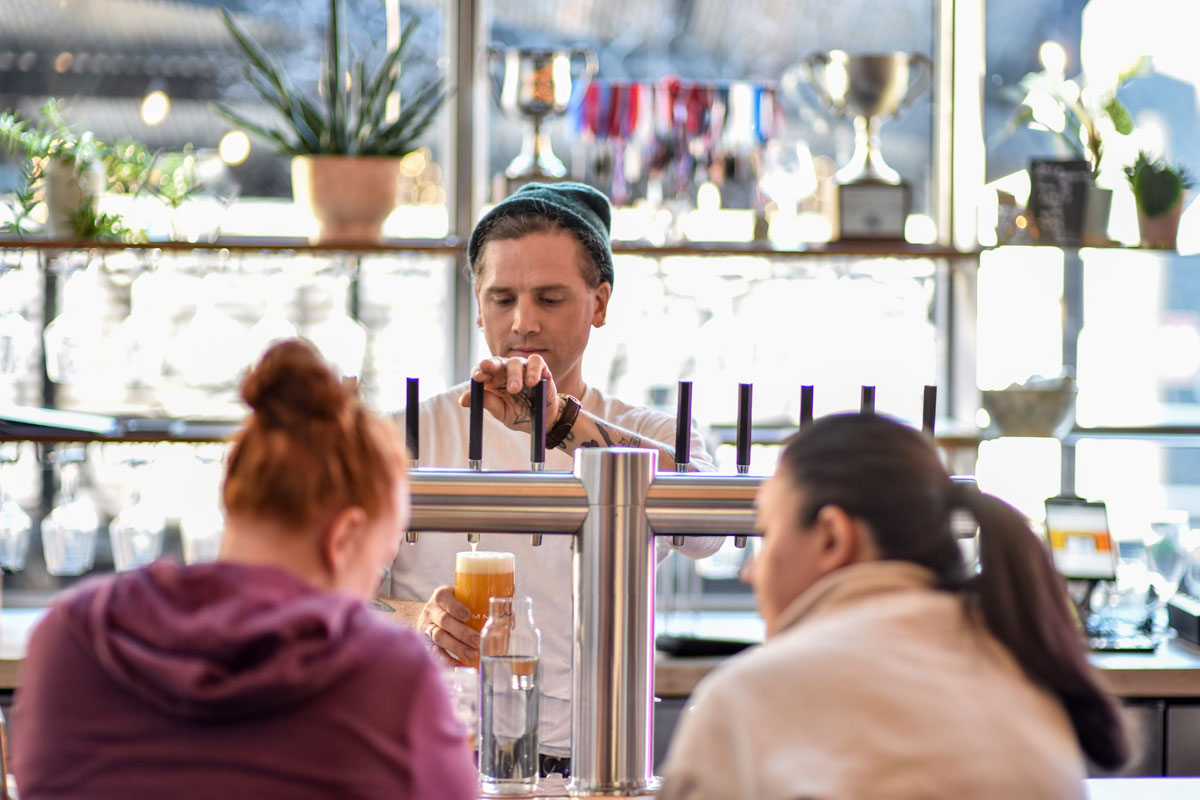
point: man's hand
(442, 622)
(508, 390)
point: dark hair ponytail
(1023, 603)
(890, 477)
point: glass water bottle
(510, 647)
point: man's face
(532, 298)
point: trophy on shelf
(538, 85)
(873, 201)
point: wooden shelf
(128, 430)
(454, 246)
(1176, 435)
(447, 246)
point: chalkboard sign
(1057, 196)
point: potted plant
(1158, 188)
(346, 152)
(70, 172)
(1081, 116)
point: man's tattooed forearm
(617, 438)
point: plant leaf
(333, 73)
(1120, 116)
(270, 134)
(254, 52)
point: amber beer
(480, 576)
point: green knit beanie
(577, 207)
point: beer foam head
(484, 563)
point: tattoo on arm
(617, 438)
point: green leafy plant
(173, 177)
(126, 165)
(354, 119)
(1074, 111)
(1156, 185)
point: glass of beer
(479, 577)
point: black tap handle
(475, 438)
(412, 419)
(806, 406)
(929, 409)
(745, 396)
(537, 415)
(867, 404)
(683, 424)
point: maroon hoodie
(230, 681)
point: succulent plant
(354, 117)
(1157, 185)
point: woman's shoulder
(842, 642)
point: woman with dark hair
(891, 669)
(263, 675)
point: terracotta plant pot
(349, 196)
(1160, 231)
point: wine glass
(341, 339)
(202, 524)
(1168, 547)
(69, 530)
(72, 346)
(137, 532)
(15, 524)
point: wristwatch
(566, 420)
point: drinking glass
(463, 686)
(202, 524)
(14, 522)
(1168, 547)
(137, 532)
(480, 576)
(69, 530)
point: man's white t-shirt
(544, 572)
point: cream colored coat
(876, 686)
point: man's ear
(600, 312)
(843, 540)
(342, 539)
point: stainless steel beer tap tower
(614, 505)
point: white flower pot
(68, 192)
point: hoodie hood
(219, 640)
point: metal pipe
(496, 502)
(612, 741)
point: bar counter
(1172, 671)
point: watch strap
(566, 420)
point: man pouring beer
(543, 275)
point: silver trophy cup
(868, 87)
(537, 85)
